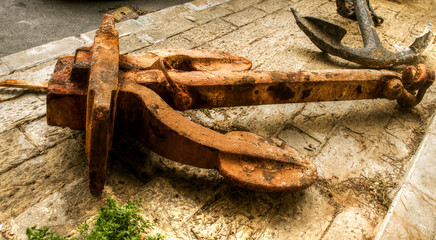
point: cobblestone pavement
(374, 180)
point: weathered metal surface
(97, 89)
(346, 8)
(15, 83)
(327, 36)
(245, 159)
(101, 101)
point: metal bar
(228, 88)
(101, 101)
(15, 83)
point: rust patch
(281, 92)
(306, 93)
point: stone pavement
(376, 162)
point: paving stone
(301, 215)
(270, 6)
(413, 216)
(422, 176)
(39, 73)
(405, 21)
(370, 116)
(208, 31)
(263, 120)
(236, 6)
(311, 9)
(158, 32)
(173, 202)
(355, 156)
(208, 14)
(164, 14)
(131, 43)
(128, 27)
(301, 141)
(234, 214)
(352, 223)
(14, 149)
(234, 42)
(18, 111)
(59, 209)
(198, 5)
(319, 119)
(124, 28)
(4, 70)
(244, 17)
(391, 5)
(36, 178)
(10, 93)
(260, 52)
(177, 42)
(432, 126)
(42, 53)
(44, 136)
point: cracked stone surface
(363, 149)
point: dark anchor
(327, 36)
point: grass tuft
(114, 221)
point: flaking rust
(101, 91)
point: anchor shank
(227, 88)
(366, 25)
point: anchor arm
(244, 158)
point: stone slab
(208, 31)
(422, 176)
(208, 14)
(301, 215)
(40, 73)
(412, 217)
(20, 110)
(38, 177)
(131, 43)
(164, 14)
(124, 28)
(172, 42)
(45, 136)
(42, 53)
(237, 6)
(158, 32)
(198, 5)
(244, 17)
(271, 6)
(14, 150)
(4, 70)
(351, 223)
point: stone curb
(43, 53)
(411, 214)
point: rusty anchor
(327, 36)
(101, 91)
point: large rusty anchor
(327, 37)
(101, 91)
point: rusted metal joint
(410, 90)
(101, 91)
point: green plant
(114, 221)
(42, 234)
